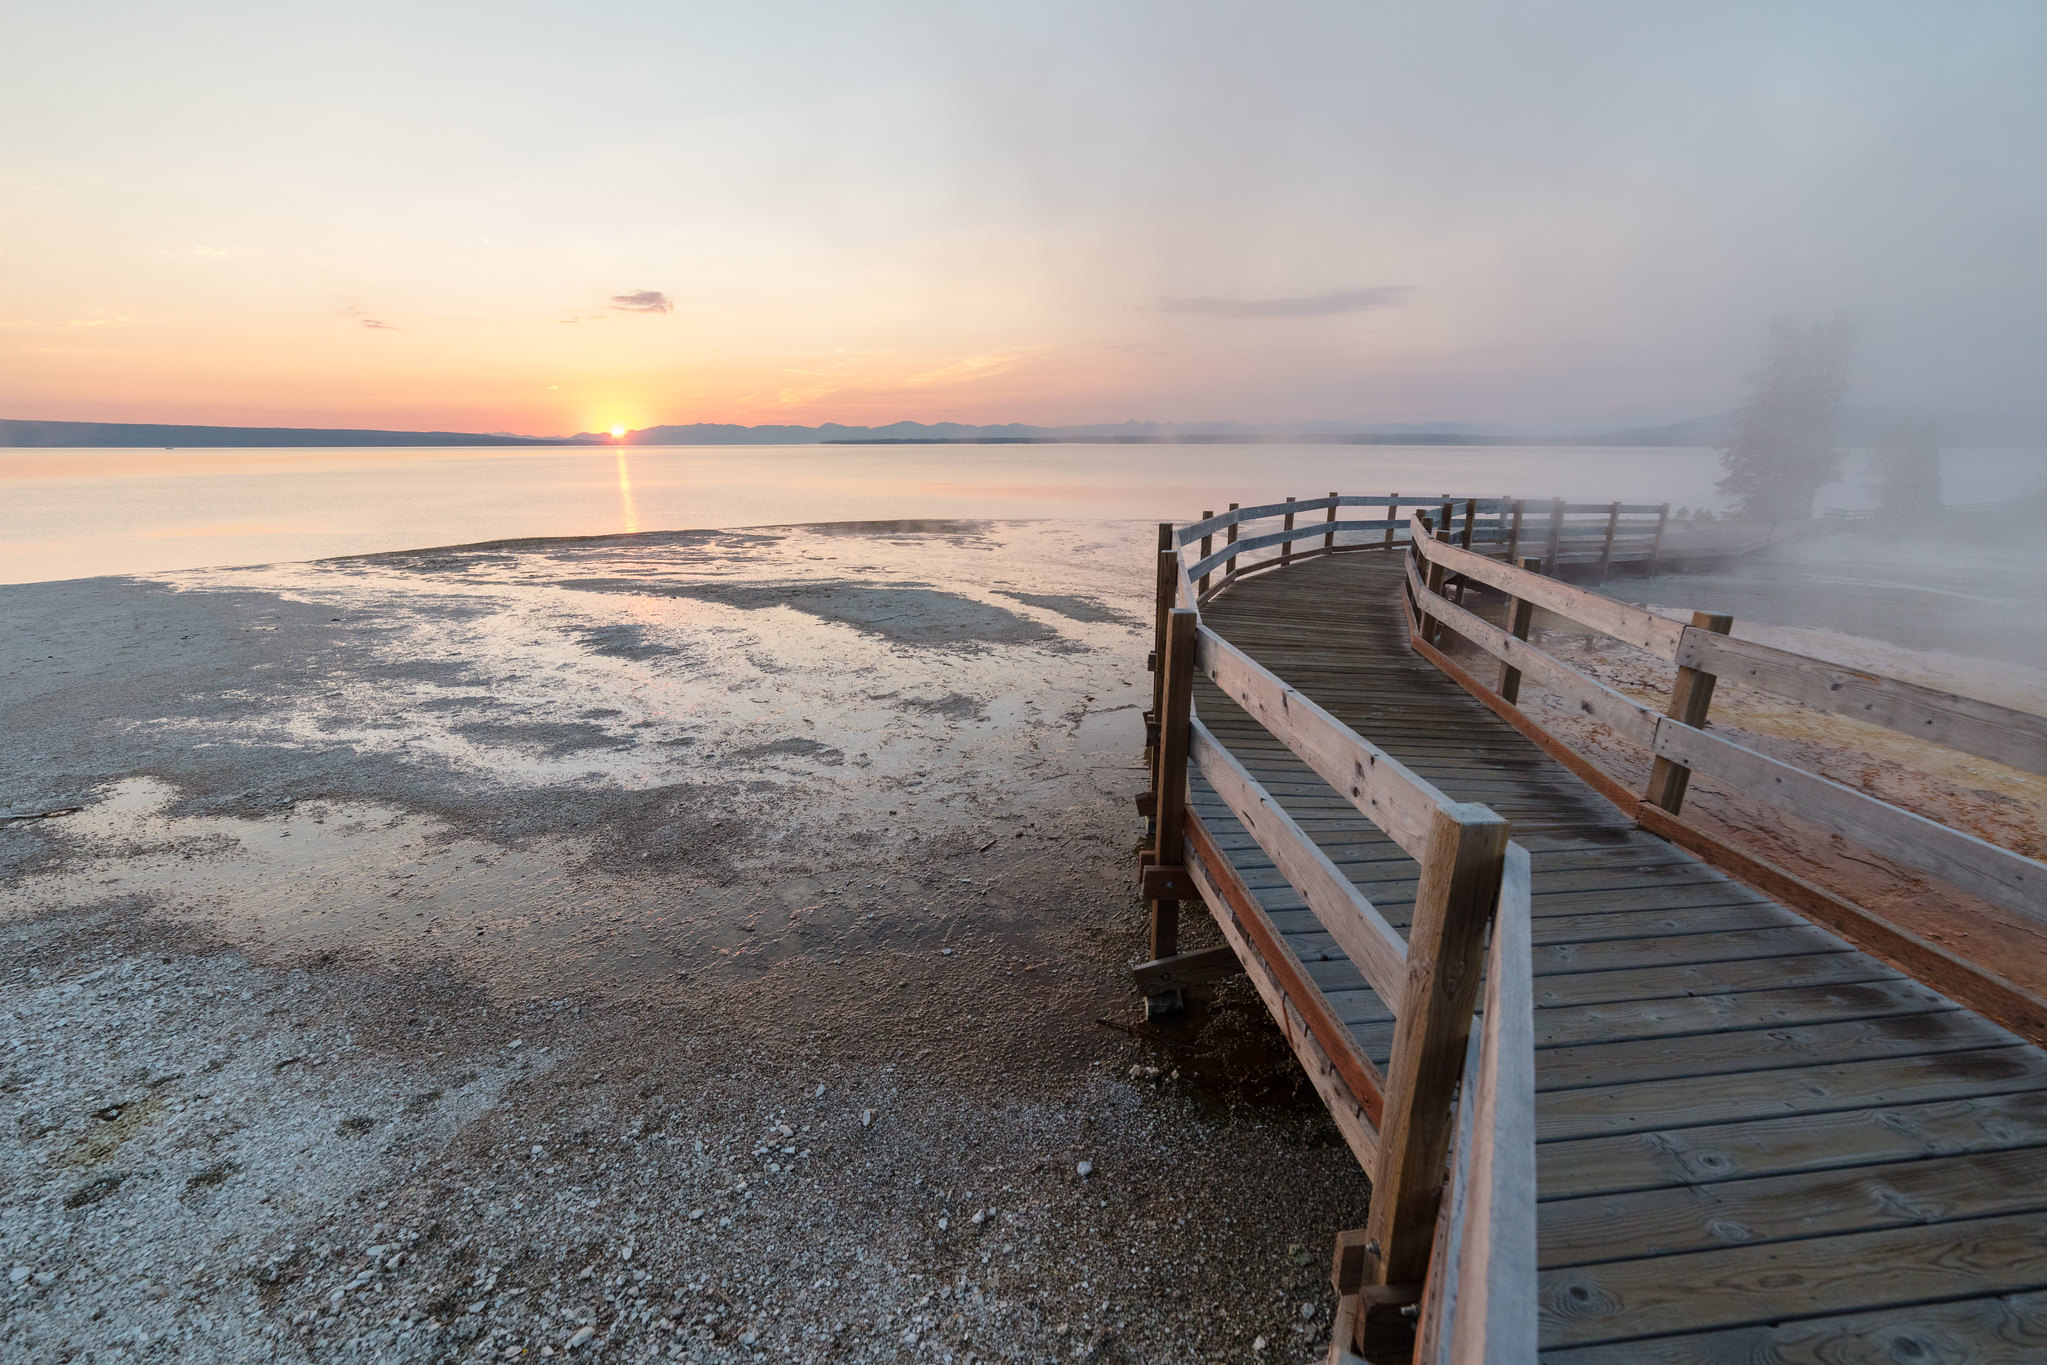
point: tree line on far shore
(1783, 450)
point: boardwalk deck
(1756, 1143)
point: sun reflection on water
(628, 513)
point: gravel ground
(699, 947)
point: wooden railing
(1448, 1247)
(1703, 652)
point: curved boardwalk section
(1754, 1142)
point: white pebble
(18, 1274)
(866, 1117)
(820, 1093)
(944, 1224)
(583, 1334)
(695, 1214)
(1085, 1169)
(1259, 1344)
(1307, 1310)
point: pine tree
(1782, 450)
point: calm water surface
(81, 513)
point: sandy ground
(702, 947)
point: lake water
(83, 513)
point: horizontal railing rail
(1680, 746)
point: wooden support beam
(1165, 585)
(1656, 545)
(1169, 774)
(1187, 969)
(1691, 696)
(1286, 547)
(1613, 522)
(1520, 617)
(1454, 905)
(1514, 534)
(1165, 882)
(1207, 549)
(1329, 537)
(1392, 515)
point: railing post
(1230, 564)
(1556, 539)
(1690, 698)
(1514, 535)
(1207, 548)
(1613, 522)
(1329, 537)
(1164, 591)
(1392, 516)
(1656, 545)
(1169, 790)
(1464, 542)
(1454, 904)
(1437, 574)
(1286, 547)
(1520, 615)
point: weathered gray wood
(1384, 789)
(1857, 1272)
(1998, 733)
(1691, 697)
(1169, 782)
(1616, 710)
(1998, 875)
(1460, 888)
(1351, 920)
(1493, 1318)
(1186, 969)
(1632, 625)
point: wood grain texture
(1720, 1082)
(1365, 937)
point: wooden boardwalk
(1755, 1143)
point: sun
(618, 431)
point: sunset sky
(551, 218)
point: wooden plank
(1460, 888)
(1752, 1148)
(1379, 785)
(2017, 739)
(1348, 917)
(1493, 1316)
(1631, 625)
(1361, 1078)
(2003, 878)
(1662, 1222)
(1756, 1050)
(1691, 696)
(1186, 969)
(1169, 774)
(1739, 1286)
(2001, 1330)
(1792, 1090)
(1663, 981)
(1616, 710)
(1676, 1016)
(1271, 980)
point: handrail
(1481, 1301)
(1401, 1122)
(1379, 954)
(2001, 734)
(2004, 878)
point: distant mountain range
(19, 433)
(1858, 427)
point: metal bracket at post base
(1166, 883)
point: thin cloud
(1311, 306)
(374, 324)
(642, 301)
